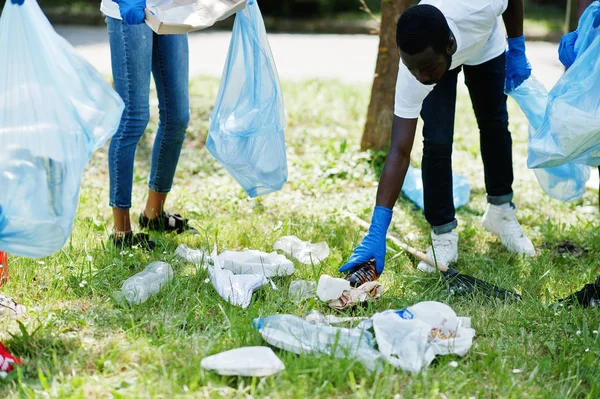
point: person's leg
(131, 59)
(170, 70)
(438, 131)
(486, 88)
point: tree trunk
(381, 109)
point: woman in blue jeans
(136, 53)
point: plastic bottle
(302, 289)
(300, 336)
(139, 287)
(363, 274)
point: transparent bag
(570, 130)
(55, 110)
(246, 126)
(567, 181)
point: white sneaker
(503, 223)
(446, 250)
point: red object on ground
(3, 267)
(6, 361)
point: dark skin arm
(513, 18)
(396, 164)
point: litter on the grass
(368, 291)
(251, 361)
(301, 290)
(330, 288)
(235, 289)
(303, 251)
(256, 262)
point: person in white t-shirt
(436, 39)
(137, 53)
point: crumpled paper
(368, 291)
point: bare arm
(396, 164)
(513, 18)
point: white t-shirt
(477, 27)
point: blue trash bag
(55, 110)
(246, 126)
(413, 188)
(570, 131)
(567, 181)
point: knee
(438, 146)
(175, 123)
(135, 119)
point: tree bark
(381, 108)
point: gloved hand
(596, 19)
(373, 245)
(566, 49)
(517, 66)
(17, 2)
(132, 11)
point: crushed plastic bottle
(195, 256)
(301, 290)
(413, 188)
(305, 252)
(299, 336)
(139, 287)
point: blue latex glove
(373, 245)
(17, 2)
(517, 66)
(566, 49)
(132, 11)
(596, 19)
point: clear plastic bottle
(300, 336)
(139, 287)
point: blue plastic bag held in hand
(413, 188)
(55, 110)
(565, 182)
(246, 126)
(570, 131)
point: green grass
(79, 340)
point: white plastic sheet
(251, 361)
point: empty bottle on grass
(297, 335)
(139, 287)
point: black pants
(486, 88)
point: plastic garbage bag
(299, 336)
(55, 110)
(256, 262)
(411, 338)
(413, 188)
(303, 251)
(251, 361)
(570, 131)
(565, 182)
(246, 126)
(235, 289)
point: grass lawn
(79, 340)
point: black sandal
(166, 222)
(129, 240)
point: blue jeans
(486, 88)
(136, 53)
